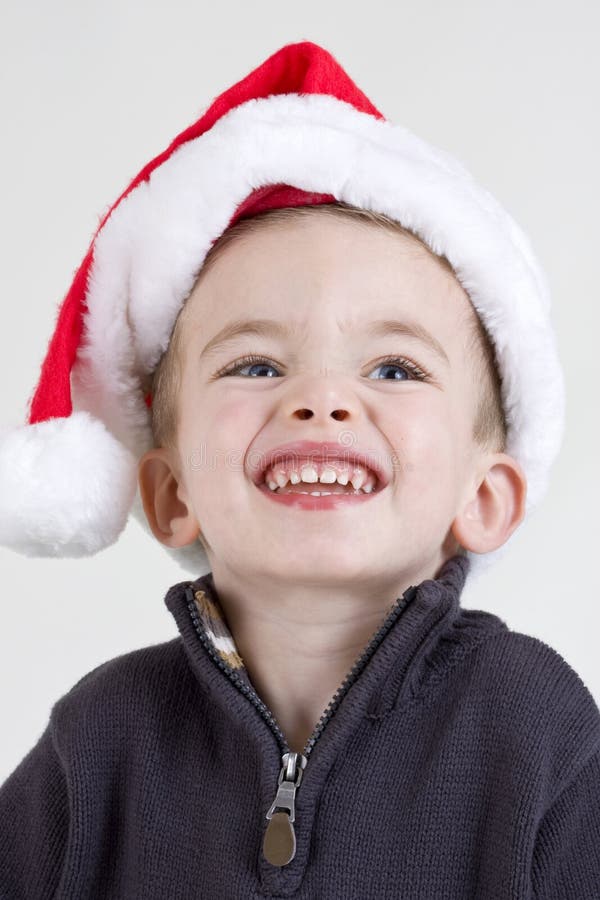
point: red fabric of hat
(302, 68)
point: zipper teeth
(237, 680)
(400, 605)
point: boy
(454, 758)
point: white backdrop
(90, 92)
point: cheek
(423, 438)
(215, 418)
(228, 411)
(215, 436)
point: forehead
(322, 270)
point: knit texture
(458, 759)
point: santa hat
(295, 131)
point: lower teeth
(319, 493)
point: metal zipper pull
(279, 844)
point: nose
(320, 398)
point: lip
(321, 451)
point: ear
(495, 508)
(166, 504)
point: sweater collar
(419, 617)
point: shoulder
(540, 697)
(517, 686)
(528, 666)
(125, 691)
(524, 666)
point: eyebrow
(274, 328)
(383, 327)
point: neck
(299, 641)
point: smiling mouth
(364, 484)
(320, 478)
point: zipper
(279, 843)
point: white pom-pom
(66, 487)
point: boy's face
(329, 280)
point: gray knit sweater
(458, 760)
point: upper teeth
(279, 475)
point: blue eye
(247, 362)
(414, 372)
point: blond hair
(489, 423)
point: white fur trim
(148, 254)
(66, 487)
